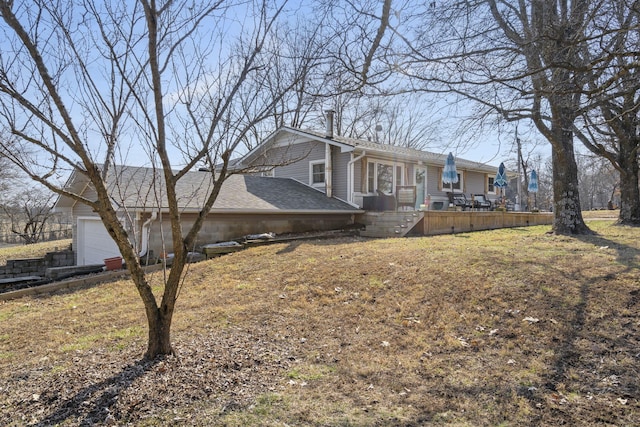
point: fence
(45, 236)
(436, 222)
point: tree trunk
(629, 191)
(629, 199)
(566, 198)
(159, 334)
(159, 317)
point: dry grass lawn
(31, 251)
(508, 327)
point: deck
(426, 223)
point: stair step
(389, 224)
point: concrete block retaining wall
(36, 266)
(224, 227)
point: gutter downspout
(145, 234)
(328, 170)
(350, 176)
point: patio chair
(406, 196)
(385, 202)
(480, 201)
(459, 200)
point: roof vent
(329, 132)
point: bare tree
(609, 125)
(87, 84)
(598, 181)
(6, 172)
(29, 211)
(338, 55)
(525, 60)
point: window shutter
(439, 179)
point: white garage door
(94, 243)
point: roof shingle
(135, 187)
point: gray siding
(307, 152)
(340, 173)
(359, 180)
(303, 152)
(434, 179)
(475, 183)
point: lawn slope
(505, 327)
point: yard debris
(221, 248)
(493, 332)
(463, 341)
(558, 399)
(411, 320)
(260, 236)
(531, 320)
(385, 343)
(622, 401)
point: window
(316, 173)
(383, 177)
(490, 187)
(456, 185)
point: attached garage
(93, 242)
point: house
(246, 205)
(299, 181)
(359, 172)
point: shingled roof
(141, 188)
(352, 144)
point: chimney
(329, 132)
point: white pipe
(145, 233)
(328, 170)
(351, 176)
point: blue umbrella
(533, 186)
(500, 180)
(533, 182)
(449, 173)
(501, 177)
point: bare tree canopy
(530, 60)
(609, 125)
(29, 210)
(85, 85)
(88, 85)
